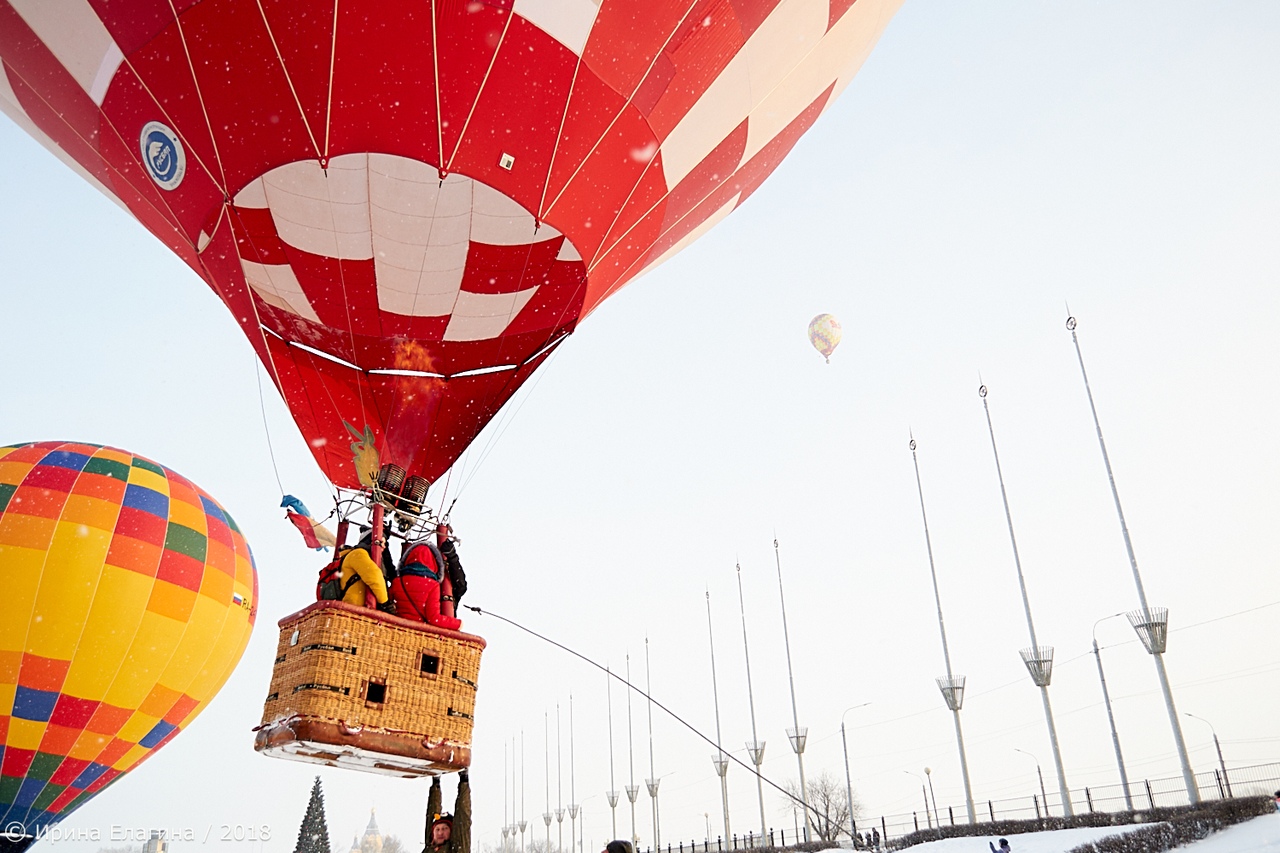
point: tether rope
(796, 801)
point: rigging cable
(796, 801)
(262, 405)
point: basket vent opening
(430, 664)
(376, 693)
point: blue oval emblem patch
(163, 155)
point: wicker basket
(357, 688)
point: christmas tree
(313, 837)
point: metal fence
(1254, 780)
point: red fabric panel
(384, 96)
(127, 108)
(508, 269)
(592, 108)
(243, 90)
(838, 8)
(467, 37)
(519, 113)
(344, 295)
(592, 199)
(752, 13)
(713, 172)
(698, 51)
(627, 36)
(137, 23)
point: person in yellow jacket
(361, 577)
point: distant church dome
(372, 840)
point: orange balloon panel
(130, 595)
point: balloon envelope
(407, 206)
(825, 334)
(129, 597)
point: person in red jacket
(416, 589)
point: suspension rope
(796, 801)
(262, 405)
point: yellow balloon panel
(130, 597)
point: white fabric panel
(725, 104)
(885, 10)
(420, 235)
(792, 29)
(9, 106)
(106, 73)
(840, 53)
(253, 196)
(326, 216)
(278, 286)
(417, 230)
(567, 21)
(706, 226)
(568, 251)
(499, 221)
(76, 37)
(482, 316)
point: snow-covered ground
(1260, 835)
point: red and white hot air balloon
(408, 205)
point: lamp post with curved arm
(848, 781)
(928, 772)
(1043, 796)
(1226, 780)
(924, 794)
(1106, 698)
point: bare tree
(393, 844)
(828, 805)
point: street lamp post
(1043, 796)
(797, 734)
(573, 799)
(952, 686)
(924, 795)
(1038, 659)
(546, 743)
(652, 782)
(1226, 780)
(632, 789)
(928, 772)
(848, 781)
(756, 747)
(720, 761)
(1111, 719)
(1150, 624)
(612, 793)
(559, 789)
(523, 822)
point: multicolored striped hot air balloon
(824, 334)
(130, 595)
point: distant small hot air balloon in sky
(824, 334)
(130, 595)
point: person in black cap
(449, 833)
(1003, 848)
(619, 846)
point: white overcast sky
(992, 162)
